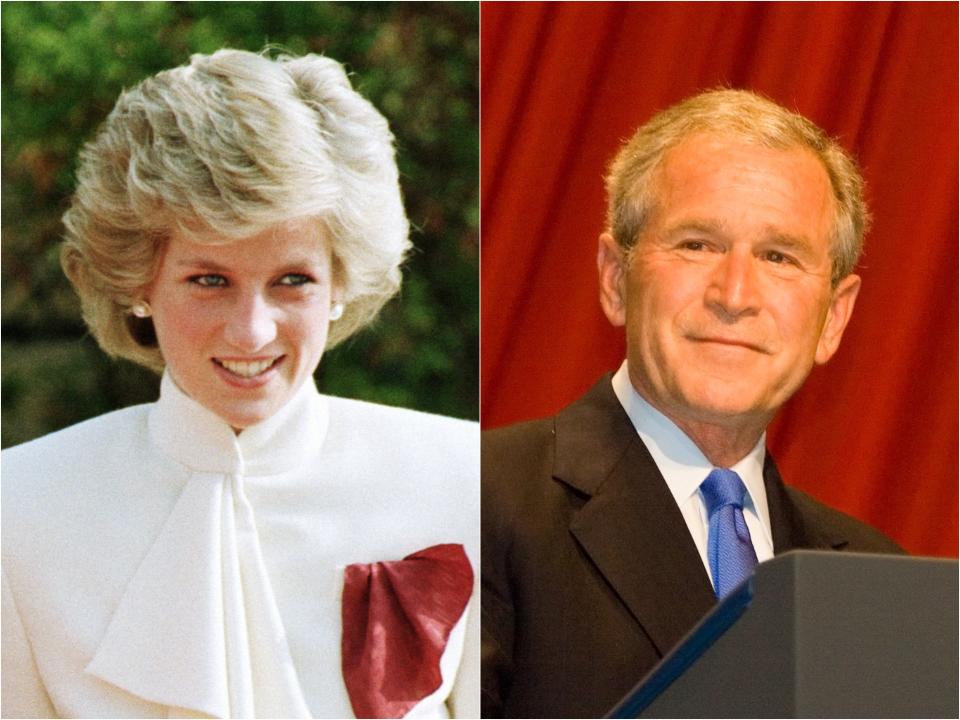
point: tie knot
(722, 487)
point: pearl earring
(141, 310)
(336, 311)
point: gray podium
(817, 634)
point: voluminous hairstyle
(744, 115)
(224, 148)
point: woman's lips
(247, 372)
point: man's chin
(726, 410)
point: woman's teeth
(246, 369)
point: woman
(243, 547)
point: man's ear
(838, 315)
(611, 268)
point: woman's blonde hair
(227, 146)
(631, 191)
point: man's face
(726, 297)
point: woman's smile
(253, 311)
(256, 369)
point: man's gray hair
(631, 179)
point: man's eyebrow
(704, 227)
(717, 228)
(797, 243)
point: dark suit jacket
(589, 573)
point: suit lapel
(630, 527)
(788, 523)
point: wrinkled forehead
(728, 151)
(723, 180)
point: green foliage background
(63, 66)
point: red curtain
(873, 433)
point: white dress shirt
(157, 564)
(684, 467)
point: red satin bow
(397, 617)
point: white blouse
(156, 564)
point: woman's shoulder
(104, 439)
(58, 489)
(101, 427)
(400, 422)
(403, 438)
(416, 473)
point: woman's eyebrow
(201, 263)
(286, 264)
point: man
(733, 230)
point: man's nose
(251, 324)
(734, 291)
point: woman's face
(243, 325)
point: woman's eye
(208, 280)
(295, 279)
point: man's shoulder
(520, 437)
(584, 418)
(830, 522)
(516, 464)
(539, 467)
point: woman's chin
(242, 418)
(242, 413)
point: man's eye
(778, 258)
(208, 280)
(295, 279)
(695, 245)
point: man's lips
(731, 342)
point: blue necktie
(729, 549)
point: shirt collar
(196, 437)
(683, 466)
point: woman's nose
(251, 325)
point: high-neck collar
(198, 438)
(220, 649)
(682, 464)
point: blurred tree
(63, 66)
